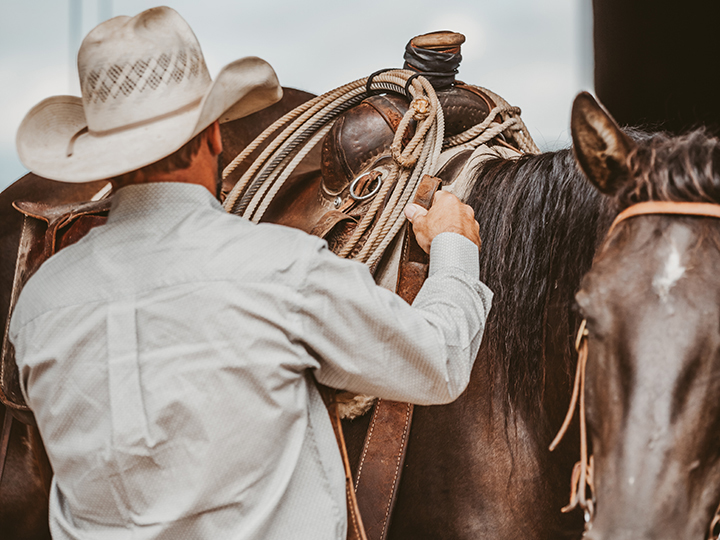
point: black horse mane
(540, 223)
(667, 168)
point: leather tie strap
(385, 445)
(5, 440)
(355, 528)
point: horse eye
(577, 309)
(582, 301)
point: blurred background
(537, 54)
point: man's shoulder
(272, 237)
(46, 286)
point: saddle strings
(582, 475)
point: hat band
(151, 120)
(140, 123)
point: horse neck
(541, 223)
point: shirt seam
(86, 302)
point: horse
(651, 301)
(480, 467)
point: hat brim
(53, 141)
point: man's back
(182, 396)
(168, 354)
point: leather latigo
(381, 464)
(385, 444)
(46, 229)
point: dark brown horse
(480, 467)
(652, 304)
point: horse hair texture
(667, 168)
(540, 223)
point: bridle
(582, 475)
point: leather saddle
(355, 157)
(46, 229)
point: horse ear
(601, 147)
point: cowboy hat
(146, 91)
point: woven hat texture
(146, 91)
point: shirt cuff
(452, 250)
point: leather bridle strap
(582, 476)
(667, 207)
(5, 440)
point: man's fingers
(414, 211)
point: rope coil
(304, 127)
(294, 135)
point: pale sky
(537, 54)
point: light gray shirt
(167, 355)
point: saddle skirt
(46, 229)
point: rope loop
(368, 90)
(295, 134)
(410, 80)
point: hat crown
(137, 69)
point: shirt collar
(140, 200)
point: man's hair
(177, 161)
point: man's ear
(601, 147)
(214, 138)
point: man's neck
(202, 172)
(203, 169)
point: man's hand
(447, 214)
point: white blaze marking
(631, 480)
(670, 274)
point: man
(168, 355)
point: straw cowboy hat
(146, 91)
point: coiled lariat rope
(300, 130)
(304, 127)
(510, 124)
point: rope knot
(515, 111)
(420, 107)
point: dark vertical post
(656, 62)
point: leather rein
(582, 476)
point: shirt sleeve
(368, 340)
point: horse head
(652, 306)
